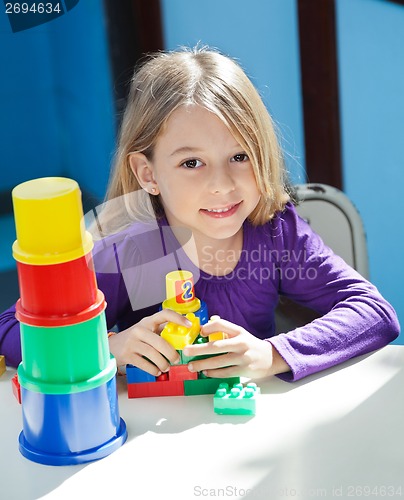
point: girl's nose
(221, 180)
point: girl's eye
(192, 163)
(240, 157)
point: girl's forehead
(193, 124)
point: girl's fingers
(233, 344)
(145, 364)
(229, 371)
(207, 349)
(154, 321)
(156, 349)
(220, 325)
(223, 361)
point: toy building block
(187, 359)
(217, 336)
(181, 336)
(137, 375)
(181, 372)
(2, 365)
(166, 384)
(156, 389)
(238, 400)
(16, 388)
(206, 385)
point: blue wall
(263, 36)
(371, 68)
(56, 105)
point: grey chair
(335, 218)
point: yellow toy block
(180, 336)
(2, 365)
(217, 336)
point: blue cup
(68, 429)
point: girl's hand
(241, 354)
(142, 340)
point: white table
(332, 435)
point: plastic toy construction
(192, 384)
(217, 336)
(179, 381)
(181, 296)
(135, 375)
(237, 400)
(66, 380)
(2, 365)
(206, 385)
(181, 336)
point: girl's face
(205, 179)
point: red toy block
(16, 388)
(156, 389)
(181, 372)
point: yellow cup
(180, 292)
(49, 221)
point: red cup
(58, 289)
(91, 312)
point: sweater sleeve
(355, 318)
(10, 345)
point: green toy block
(187, 359)
(238, 400)
(206, 385)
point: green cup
(35, 385)
(65, 354)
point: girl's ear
(143, 171)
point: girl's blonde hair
(204, 77)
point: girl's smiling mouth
(221, 212)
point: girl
(199, 184)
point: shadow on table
(361, 454)
(174, 414)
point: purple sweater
(282, 257)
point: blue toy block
(238, 400)
(137, 375)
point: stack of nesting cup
(67, 375)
